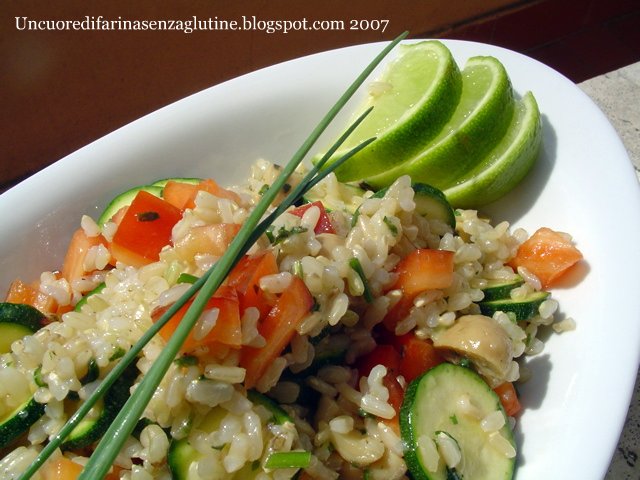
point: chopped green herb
(298, 459)
(354, 218)
(354, 263)
(389, 223)
(282, 234)
(186, 361)
(464, 362)
(117, 354)
(297, 269)
(147, 216)
(454, 419)
(263, 189)
(187, 278)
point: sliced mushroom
(357, 448)
(482, 340)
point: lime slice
(478, 123)
(508, 162)
(412, 100)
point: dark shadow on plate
(531, 394)
(513, 206)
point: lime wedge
(477, 125)
(507, 164)
(412, 100)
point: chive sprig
(203, 288)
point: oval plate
(576, 402)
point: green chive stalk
(102, 459)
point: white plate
(576, 402)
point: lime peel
(507, 164)
(422, 88)
(477, 125)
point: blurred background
(60, 90)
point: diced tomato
(73, 266)
(227, 330)
(245, 278)
(180, 194)
(20, 292)
(144, 230)
(324, 224)
(389, 356)
(277, 329)
(399, 311)
(418, 356)
(183, 195)
(509, 398)
(213, 188)
(61, 468)
(383, 354)
(548, 255)
(207, 239)
(423, 269)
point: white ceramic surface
(576, 402)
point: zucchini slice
(499, 289)
(522, 309)
(124, 200)
(93, 426)
(83, 300)
(183, 457)
(19, 421)
(164, 181)
(17, 321)
(432, 203)
(280, 417)
(436, 423)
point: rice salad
(333, 394)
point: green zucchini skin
(498, 290)
(280, 417)
(189, 180)
(20, 421)
(522, 309)
(83, 300)
(18, 320)
(429, 407)
(89, 431)
(124, 199)
(433, 204)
